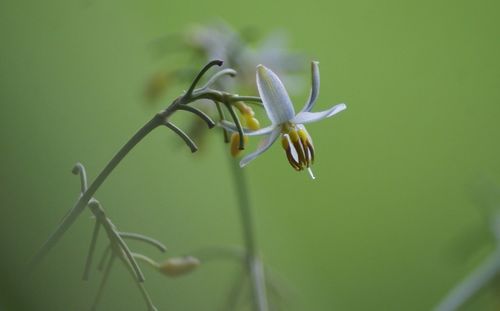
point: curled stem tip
(79, 169)
(225, 72)
(201, 73)
(189, 142)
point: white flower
(295, 139)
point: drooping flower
(295, 139)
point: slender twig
(217, 76)
(254, 265)
(472, 284)
(222, 117)
(199, 113)
(90, 254)
(156, 121)
(251, 99)
(201, 73)
(104, 256)
(235, 291)
(238, 125)
(131, 259)
(143, 238)
(143, 291)
(159, 119)
(103, 282)
(189, 142)
(146, 259)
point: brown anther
(288, 151)
(294, 137)
(308, 148)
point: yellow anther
(178, 266)
(284, 142)
(244, 109)
(294, 137)
(235, 143)
(303, 135)
(252, 123)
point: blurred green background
(389, 223)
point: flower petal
(265, 144)
(276, 101)
(232, 128)
(308, 117)
(314, 87)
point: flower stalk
(160, 119)
(252, 260)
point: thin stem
(146, 259)
(222, 117)
(142, 289)
(68, 220)
(104, 257)
(143, 238)
(218, 75)
(131, 259)
(251, 99)
(200, 74)
(238, 126)
(189, 142)
(90, 254)
(103, 282)
(210, 123)
(254, 266)
(472, 284)
(235, 292)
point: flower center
(298, 146)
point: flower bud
(252, 123)
(178, 266)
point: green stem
(84, 199)
(254, 266)
(472, 284)
(103, 282)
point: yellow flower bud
(244, 109)
(252, 123)
(178, 266)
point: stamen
(311, 173)
(285, 142)
(308, 147)
(294, 136)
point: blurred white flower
(284, 121)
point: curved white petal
(276, 101)
(308, 117)
(314, 87)
(265, 144)
(232, 128)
